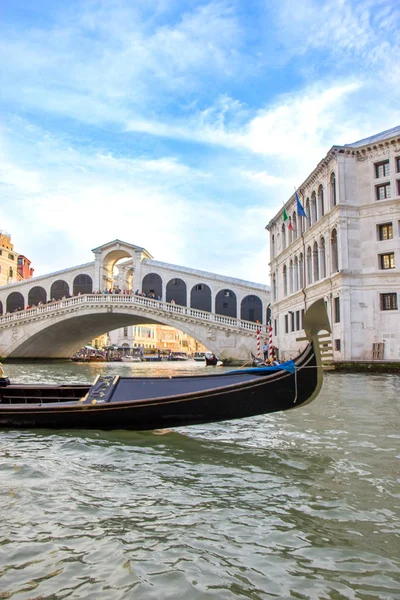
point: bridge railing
(121, 299)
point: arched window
(307, 223)
(283, 236)
(200, 297)
(59, 290)
(83, 284)
(37, 295)
(309, 265)
(15, 301)
(284, 272)
(301, 270)
(315, 262)
(274, 287)
(333, 190)
(272, 246)
(314, 214)
(334, 252)
(10, 274)
(225, 303)
(294, 225)
(291, 276)
(152, 286)
(176, 291)
(322, 257)
(251, 309)
(296, 274)
(321, 205)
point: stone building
(346, 250)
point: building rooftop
(378, 137)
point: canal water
(301, 504)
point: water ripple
(302, 504)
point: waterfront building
(14, 267)
(157, 336)
(346, 250)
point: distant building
(347, 251)
(161, 337)
(12, 269)
(24, 267)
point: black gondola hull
(153, 403)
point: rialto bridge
(53, 315)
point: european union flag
(300, 210)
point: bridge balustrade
(135, 300)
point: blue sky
(180, 126)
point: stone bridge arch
(152, 284)
(37, 295)
(59, 289)
(200, 297)
(15, 301)
(226, 303)
(176, 290)
(83, 284)
(59, 336)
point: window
(224, 305)
(388, 301)
(337, 345)
(383, 191)
(291, 321)
(382, 169)
(386, 261)
(276, 326)
(385, 231)
(125, 332)
(11, 256)
(286, 323)
(333, 190)
(297, 320)
(334, 252)
(302, 317)
(199, 287)
(227, 293)
(397, 159)
(336, 310)
(398, 187)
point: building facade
(14, 267)
(346, 250)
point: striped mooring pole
(270, 353)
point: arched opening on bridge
(152, 285)
(200, 297)
(251, 309)
(83, 284)
(176, 291)
(1, 308)
(36, 296)
(225, 303)
(15, 301)
(59, 289)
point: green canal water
(301, 504)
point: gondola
(145, 403)
(211, 360)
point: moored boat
(142, 403)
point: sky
(180, 125)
